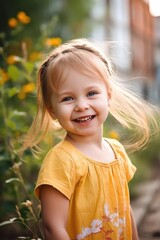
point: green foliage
(74, 19)
(20, 52)
(40, 12)
(18, 106)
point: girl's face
(81, 104)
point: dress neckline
(94, 161)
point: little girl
(83, 181)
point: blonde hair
(127, 108)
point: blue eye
(66, 99)
(92, 93)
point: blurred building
(157, 56)
(136, 47)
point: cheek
(104, 108)
(104, 103)
(63, 112)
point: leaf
(29, 67)
(11, 124)
(2, 158)
(13, 72)
(12, 91)
(12, 220)
(12, 180)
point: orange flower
(23, 18)
(53, 42)
(3, 76)
(12, 59)
(12, 22)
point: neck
(85, 140)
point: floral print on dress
(107, 226)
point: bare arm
(134, 227)
(54, 213)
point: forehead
(78, 79)
(81, 62)
(69, 66)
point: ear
(51, 113)
(109, 102)
(109, 92)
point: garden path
(146, 208)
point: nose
(81, 106)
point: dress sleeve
(58, 171)
(129, 168)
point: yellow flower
(3, 76)
(23, 18)
(12, 22)
(21, 95)
(12, 59)
(114, 135)
(53, 42)
(35, 56)
(29, 87)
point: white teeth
(84, 119)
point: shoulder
(117, 146)
(64, 150)
(58, 155)
(64, 155)
(59, 151)
(123, 157)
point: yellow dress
(98, 192)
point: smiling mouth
(84, 119)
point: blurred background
(30, 29)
